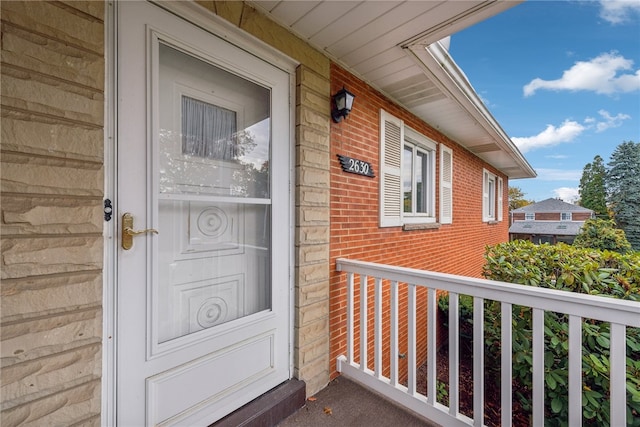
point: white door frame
(221, 28)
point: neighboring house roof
(558, 228)
(551, 205)
(395, 47)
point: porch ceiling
(392, 45)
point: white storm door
(203, 306)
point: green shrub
(571, 269)
(602, 234)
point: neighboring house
(548, 221)
(173, 203)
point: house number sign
(356, 166)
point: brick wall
(52, 189)
(455, 248)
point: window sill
(493, 222)
(423, 226)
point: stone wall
(51, 213)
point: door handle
(128, 232)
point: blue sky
(563, 80)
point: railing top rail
(588, 306)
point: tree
(602, 234)
(516, 198)
(623, 189)
(592, 188)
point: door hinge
(108, 210)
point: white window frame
(492, 197)
(563, 218)
(394, 136)
(419, 144)
(529, 216)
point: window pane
(407, 179)
(421, 182)
(492, 197)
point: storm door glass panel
(213, 192)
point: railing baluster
(394, 333)
(538, 367)
(619, 313)
(350, 317)
(575, 371)
(506, 366)
(363, 322)
(378, 328)
(432, 345)
(478, 361)
(411, 340)
(454, 355)
(618, 376)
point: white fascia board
(442, 69)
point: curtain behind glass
(208, 130)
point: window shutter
(500, 198)
(485, 195)
(446, 185)
(391, 137)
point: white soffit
(387, 44)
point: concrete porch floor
(345, 403)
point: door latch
(128, 232)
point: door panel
(203, 157)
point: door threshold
(270, 408)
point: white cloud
(601, 75)
(618, 11)
(552, 135)
(610, 121)
(545, 174)
(567, 194)
(557, 156)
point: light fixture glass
(343, 100)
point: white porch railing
(619, 313)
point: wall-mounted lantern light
(343, 101)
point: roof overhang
(394, 46)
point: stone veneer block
(24, 91)
(25, 50)
(314, 100)
(312, 138)
(33, 296)
(312, 234)
(313, 178)
(46, 373)
(312, 273)
(314, 331)
(310, 157)
(56, 23)
(313, 350)
(311, 313)
(312, 293)
(23, 215)
(39, 256)
(75, 405)
(310, 254)
(24, 174)
(38, 135)
(317, 372)
(44, 336)
(313, 197)
(313, 119)
(94, 9)
(318, 82)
